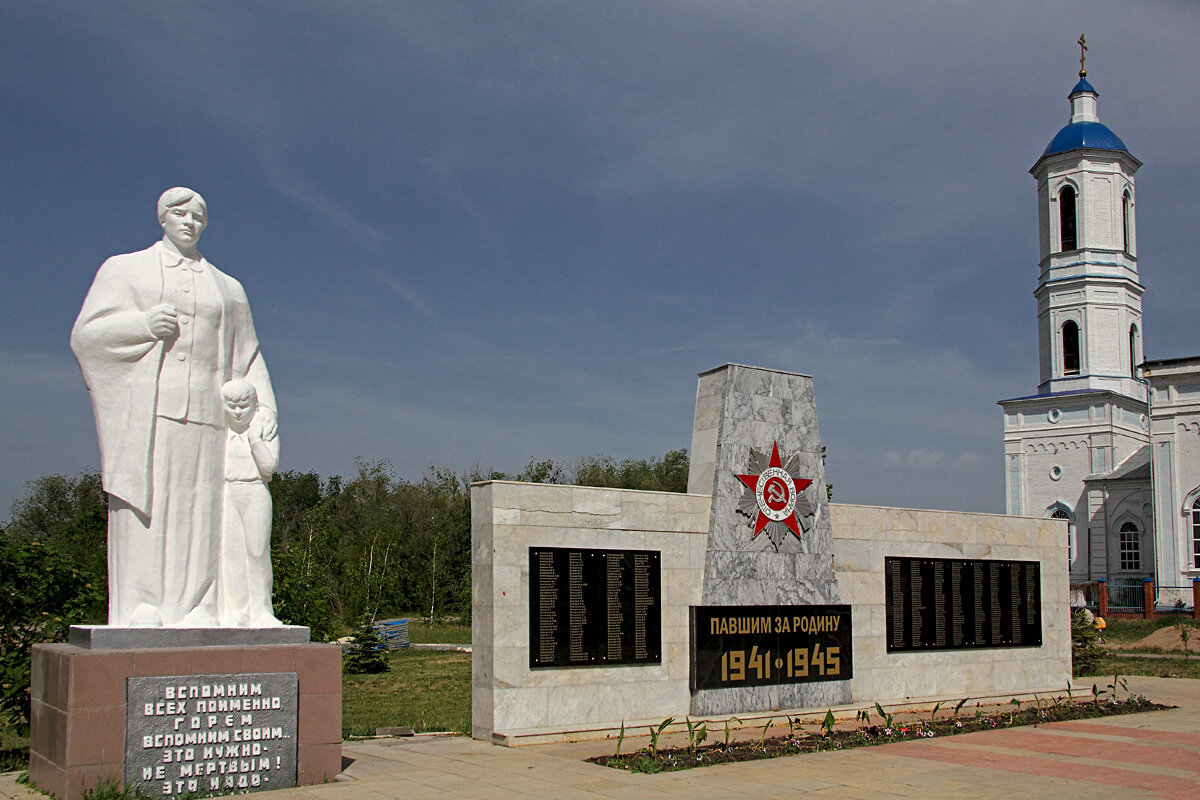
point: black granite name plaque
(591, 608)
(760, 645)
(955, 603)
(210, 734)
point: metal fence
(1126, 595)
(1173, 599)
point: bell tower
(1088, 295)
(1089, 421)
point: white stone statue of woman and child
(188, 432)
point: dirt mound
(1165, 638)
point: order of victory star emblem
(773, 497)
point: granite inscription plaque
(590, 607)
(190, 734)
(955, 603)
(763, 645)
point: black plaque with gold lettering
(592, 608)
(956, 603)
(759, 645)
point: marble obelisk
(743, 415)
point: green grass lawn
(429, 690)
(14, 750)
(1152, 667)
(439, 632)
(1123, 631)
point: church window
(1196, 533)
(1066, 219)
(1070, 347)
(1133, 350)
(1126, 231)
(1061, 513)
(1131, 546)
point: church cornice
(1086, 260)
(1050, 398)
(1066, 157)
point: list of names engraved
(578, 611)
(547, 620)
(642, 603)
(591, 607)
(948, 603)
(615, 618)
(957, 619)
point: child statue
(244, 576)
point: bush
(1085, 645)
(368, 652)
(36, 576)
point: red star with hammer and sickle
(799, 485)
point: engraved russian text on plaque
(761, 645)
(592, 607)
(218, 734)
(948, 603)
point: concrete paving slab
(1135, 757)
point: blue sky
(476, 233)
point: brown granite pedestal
(77, 735)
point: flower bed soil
(845, 736)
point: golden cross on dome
(1082, 41)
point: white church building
(1110, 441)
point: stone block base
(77, 735)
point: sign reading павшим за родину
(759, 645)
(590, 607)
(200, 734)
(957, 603)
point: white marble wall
(506, 520)
(863, 536)
(510, 701)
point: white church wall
(1175, 410)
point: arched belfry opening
(1127, 222)
(1070, 347)
(1067, 235)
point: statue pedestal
(220, 716)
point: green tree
(666, 474)
(542, 471)
(293, 494)
(367, 654)
(1085, 644)
(71, 513)
(44, 593)
(302, 591)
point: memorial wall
(751, 594)
(516, 702)
(580, 604)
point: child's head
(241, 401)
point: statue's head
(241, 401)
(183, 215)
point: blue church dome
(1095, 135)
(1084, 86)
(1085, 128)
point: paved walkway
(1155, 755)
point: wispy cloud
(403, 291)
(285, 176)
